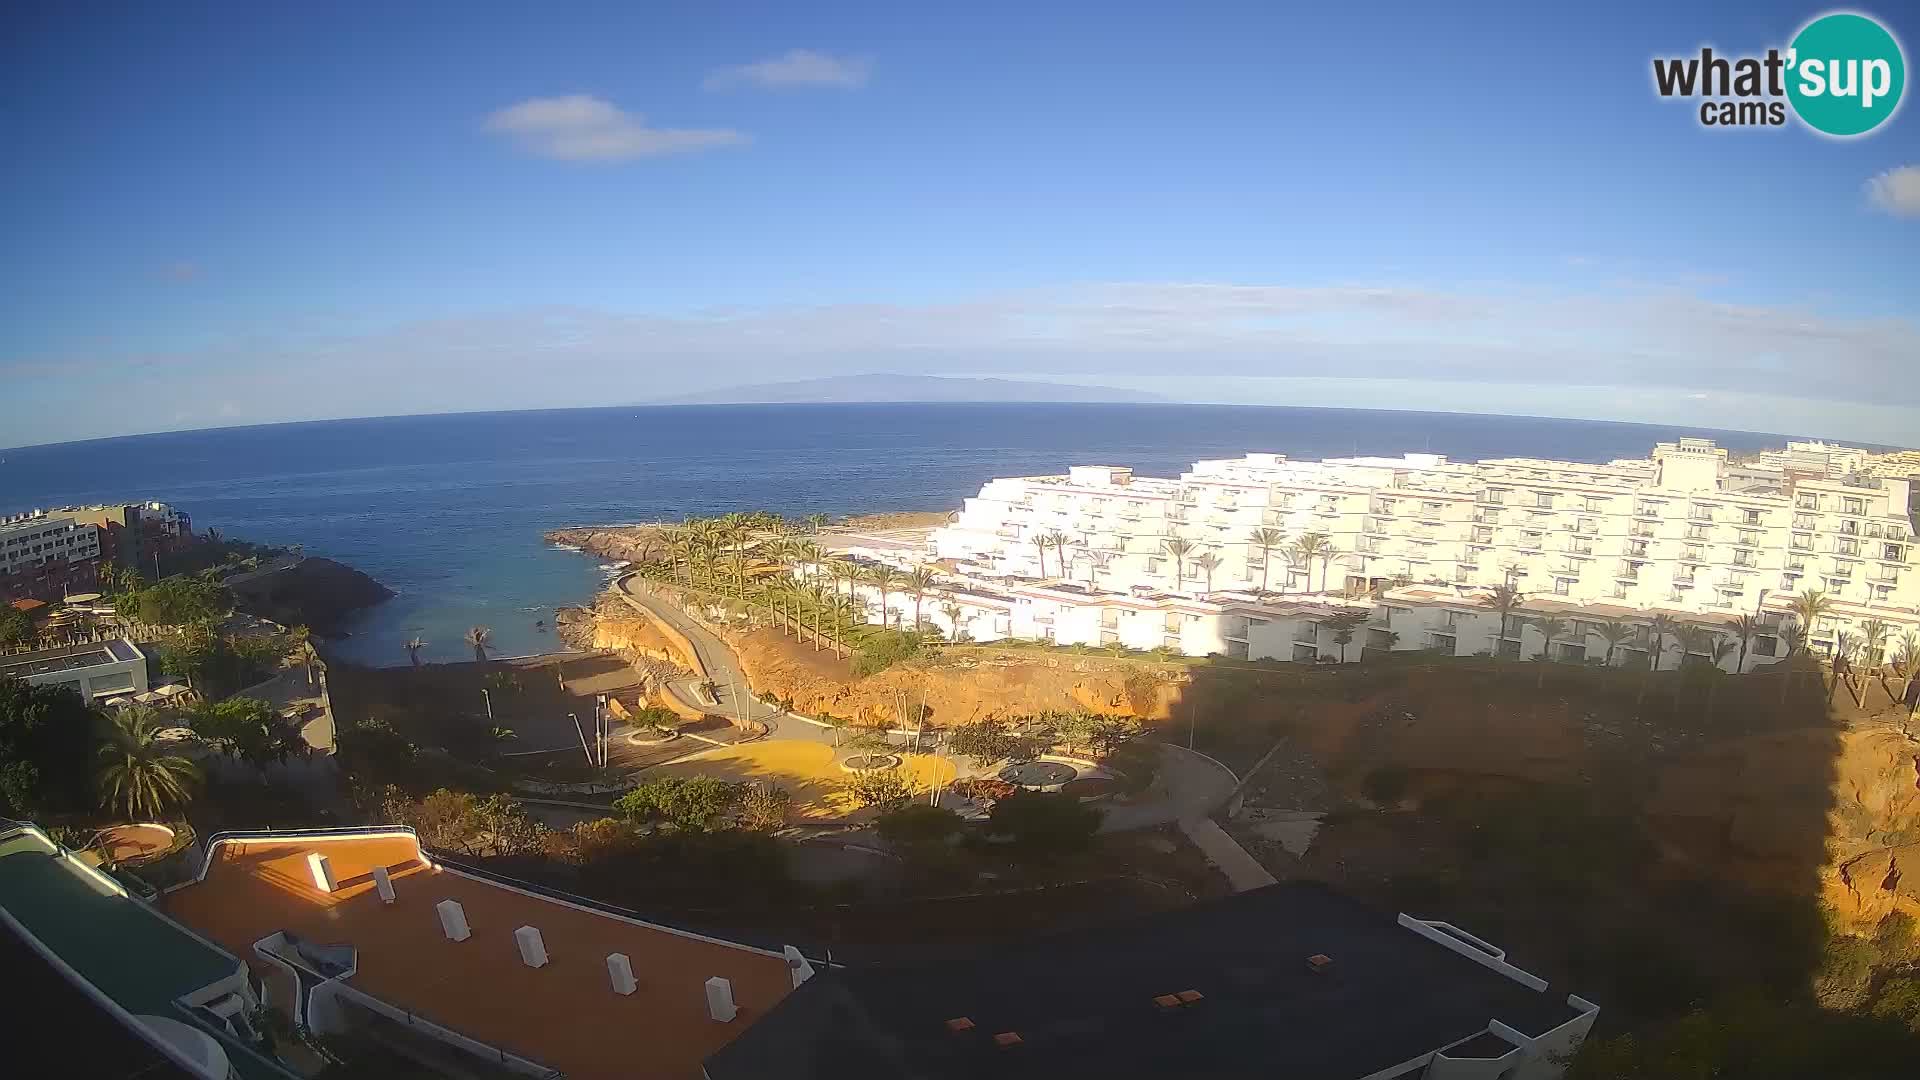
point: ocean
(448, 511)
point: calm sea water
(448, 510)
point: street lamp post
(488, 698)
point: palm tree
(881, 578)
(1040, 542)
(1207, 563)
(918, 581)
(1907, 658)
(1873, 643)
(954, 613)
(1311, 546)
(816, 522)
(1614, 633)
(839, 570)
(413, 647)
(1845, 647)
(140, 777)
(481, 638)
(1265, 541)
(1660, 627)
(808, 553)
(1550, 628)
(1719, 648)
(1746, 628)
(1179, 549)
(1059, 541)
(1096, 562)
(1807, 609)
(1504, 599)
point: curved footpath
(721, 666)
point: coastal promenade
(733, 697)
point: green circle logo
(1845, 74)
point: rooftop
(128, 952)
(1096, 1002)
(564, 1015)
(66, 658)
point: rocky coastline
(319, 594)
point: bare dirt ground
(442, 704)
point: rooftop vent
(1007, 1038)
(720, 1004)
(322, 871)
(383, 884)
(1188, 997)
(959, 1024)
(1167, 1001)
(1319, 963)
(453, 920)
(620, 973)
(533, 948)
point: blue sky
(249, 213)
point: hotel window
(1850, 528)
(1647, 508)
(1562, 586)
(1580, 546)
(1883, 592)
(1743, 558)
(1461, 573)
(1636, 547)
(1496, 496)
(1699, 532)
(1640, 528)
(1693, 553)
(1807, 502)
(1796, 563)
(1432, 507)
(1749, 537)
(1789, 582)
(1676, 594)
(1596, 502)
(1803, 521)
(1700, 513)
(1893, 553)
(1847, 547)
(1544, 500)
(1755, 517)
(1586, 525)
(1619, 592)
(1853, 506)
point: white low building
(96, 670)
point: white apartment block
(30, 541)
(1679, 533)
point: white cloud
(798, 67)
(1897, 191)
(580, 127)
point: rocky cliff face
(319, 594)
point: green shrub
(689, 803)
(1046, 822)
(882, 650)
(919, 829)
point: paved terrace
(564, 1015)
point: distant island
(902, 388)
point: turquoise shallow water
(448, 510)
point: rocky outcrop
(319, 594)
(633, 543)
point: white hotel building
(1421, 538)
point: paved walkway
(1243, 871)
(714, 655)
(1194, 785)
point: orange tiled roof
(563, 1015)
